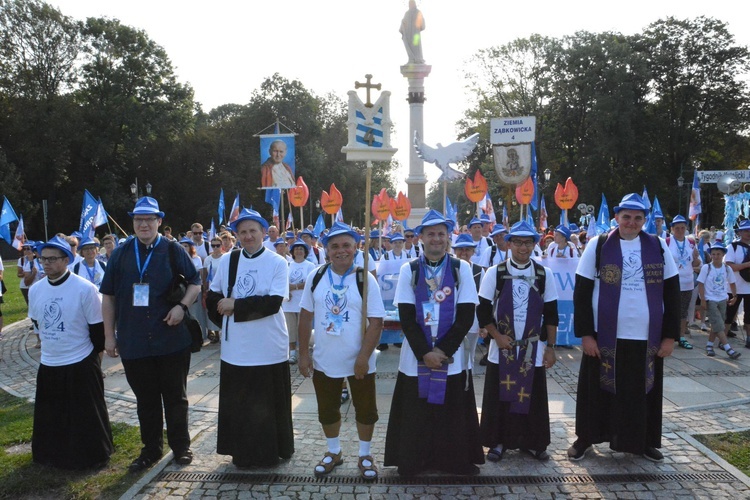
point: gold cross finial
(367, 85)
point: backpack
(455, 267)
(206, 247)
(744, 273)
(77, 267)
(360, 272)
(476, 269)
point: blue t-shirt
(142, 331)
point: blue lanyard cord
(436, 272)
(341, 284)
(91, 272)
(142, 271)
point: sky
(225, 48)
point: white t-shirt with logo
(338, 321)
(736, 257)
(298, 272)
(716, 281)
(632, 315)
(263, 341)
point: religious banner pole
(369, 139)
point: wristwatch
(184, 307)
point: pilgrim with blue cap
(476, 229)
(433, 421)
(254, 349)
(496, 253)
(411, 242)
(71, 423)
(89, 267)
(464, 250)
(518, 308)
(685, 252)
(738, 254)
(716, 281)
(299, 269)
(344, 345)
(317, 254)
(627, 304)
(152, 338)
(562, 247)
(397, 251)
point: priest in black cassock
(627, 314)
(433, 422)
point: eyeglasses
(527, 244)
(215, 246)
(51, 260)
(143, 220)
(408, 236)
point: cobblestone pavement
(702, 395)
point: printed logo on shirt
(52, 318)
(296, 275)
(246, 284)
(336, 311)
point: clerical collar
(247, 254)
(515, 264)
(60, 280)
(434, 263)
(150, 245)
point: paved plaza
(702, 395)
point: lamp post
(547, 174)
(680, 183)
(136, 192)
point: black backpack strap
(598, 256)
(206, 247)
(234, 262)
(477, 271)
(414, 266)
(76, 268)
(500, 277)
(493, 252)
(318, 275)
(456, 270)
(360, 273)
(172, 247)
(541, 277)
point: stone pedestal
(416, 181)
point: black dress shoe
(483, 361)
(184, 458)
(141, 463)
(382, 347)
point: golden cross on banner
(507, 382)
(606, 366)
(522, 394)
(367, 85)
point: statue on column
(411, 27)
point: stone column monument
(416, 71)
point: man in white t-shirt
(341, 349)
(627, 314)
(483, 242)
(299, 269)
(685, 253)
(317, 255)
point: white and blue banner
(564, 273)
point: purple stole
(610, 281)
(516, 374)
(432, 382)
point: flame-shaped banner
(381, 205)
(331, 203)
(566, 197)
(299, 195)
(400, 207)
(525, 191)
(476, 190)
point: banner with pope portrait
(277, 169)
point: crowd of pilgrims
(276, 298)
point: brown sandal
(328, 467)
(364, 469)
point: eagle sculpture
(443, 156)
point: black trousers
(154, 380)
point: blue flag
(222, 207)
(212, 231)
(320, 225)
(100, 217)
(273, 197)
(646, 201)
(8, 215)
(533, 174)
(602, 220)
(88, 213)
(5, 233)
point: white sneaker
(293, 359)
(693, 324)
(704, 327)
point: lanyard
(337, 289)
(142, 271)
(91, 272)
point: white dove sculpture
(443, 156)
